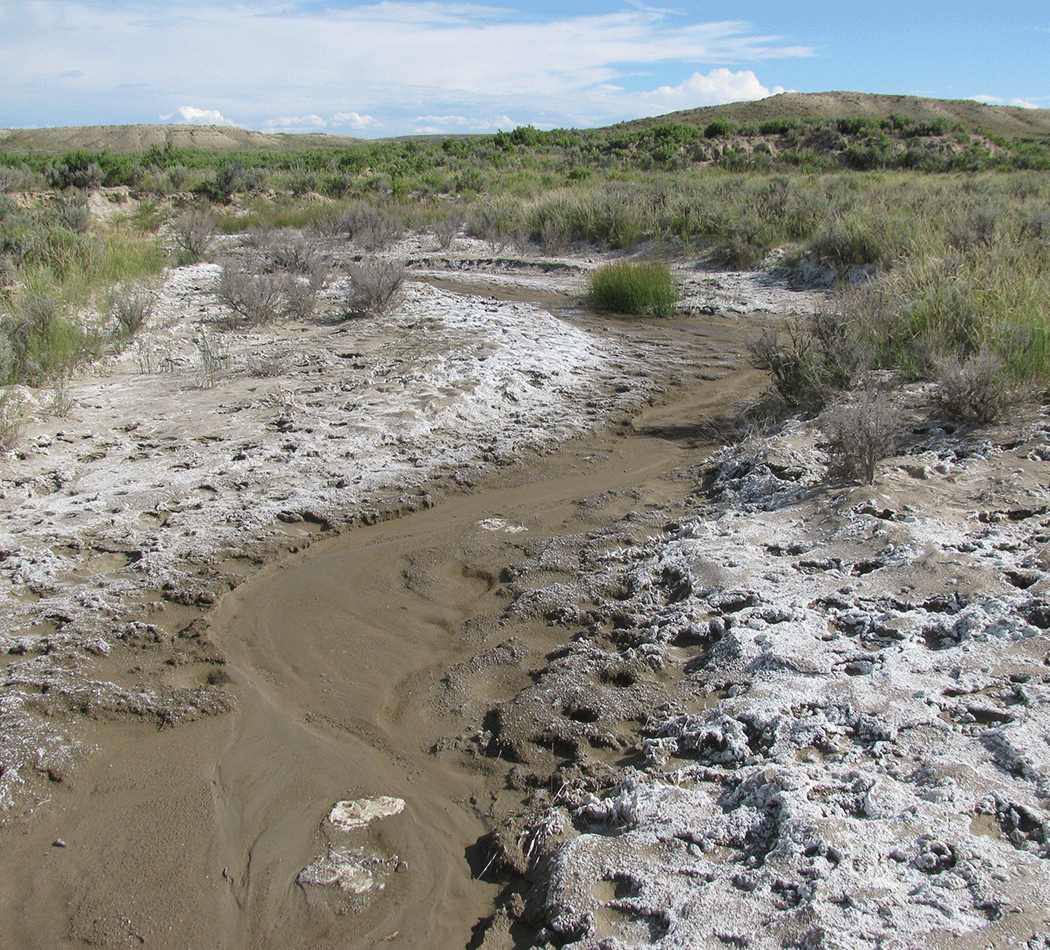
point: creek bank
(797, 714)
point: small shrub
(643, 289)
(40, 341)
(228, 179)
(446, 230)
(845, 348)
(369, 227)
(719, 128)
(61, 403)
(253, 297)
(194, 233)
(374, 287)
(74, 214)
(178, 175)
(300, 293)
(293, 251)
(12, 418)
(213, 357)
(975, 389)
(860, 434)
(787, 354)
(552, 236)
(811, 359)
(130, 309)
(496, 221)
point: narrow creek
(337, 657)
(340, 656)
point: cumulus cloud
(295, 122)
(195, 116)
(353, 120)
(719, 85)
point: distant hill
(138, 138)
(1008, 121)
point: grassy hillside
(810, 107)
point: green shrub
(643, 289)
(719, 128)
(40, 341)
(129, 309)
(12, 418)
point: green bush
(643, 289)
(717, 129)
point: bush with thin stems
(975, 389)
(375, 287)
(861, 432)
(254, 297)
(130, 309)
(194, 233)
(446, 229)
(370, 227)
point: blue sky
(395, 67)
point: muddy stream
(198, 836)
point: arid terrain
(479, 625)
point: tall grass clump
(12, 418)
(644, 289)
(40, 341)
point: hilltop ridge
(814, 106)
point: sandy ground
(464, 610)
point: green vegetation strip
(945, 226)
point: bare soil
(462, 628)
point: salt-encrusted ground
(199, 449)
(802, 715)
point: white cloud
(353, 120)
(192, 115)
(383, 62)
(719, 85)
(442, 120)
(296, 122)
(999, 101)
